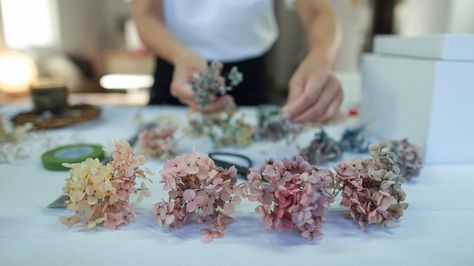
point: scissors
(242, 170)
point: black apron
(251, 91)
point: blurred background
(93, 46)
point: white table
(437, 228)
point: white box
(427, 98)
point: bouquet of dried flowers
(211, 84)
(273, 126)
(224, 129)
(371, 188)
(157, 142)
(198, 191)
(292, 195)
(409, 158)
(100, 194)
(322, 149)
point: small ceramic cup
(49, 95)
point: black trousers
(251, 91)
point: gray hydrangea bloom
(210, 84)
(322, 149)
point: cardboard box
(422, 88)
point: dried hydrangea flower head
(198, 191)
(100, 194)
(14, 134)
(273, 126)
(210, 84)
(356, 140)
(200, 124)
(371, 188)
(12, 141)
(156, 136)
(224, 129)
(157, 142)
(322, 149)
(409, 158)
(292, 195)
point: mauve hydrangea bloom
(371, 188)
(292, 195)
(101, 193)
(409, 158)
(198, 191)
(157, 142)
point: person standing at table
(184, 34)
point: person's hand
(315, 95)
(186, 63)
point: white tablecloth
(437, 228)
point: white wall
(461, 16)
(89, 27)
(80, 26)
(416, 17)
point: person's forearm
(154, 34)
(320, 23)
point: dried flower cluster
(15, 134)
(210, 84)
(409, 158)
(12, 146)
(371, 188)
(224, 129)
(322, 149)
(198, 191)
(273, 126)
(292, 195)
(157, 142)
(100, 194)
(355, 140)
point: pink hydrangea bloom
(157, 142)
(292, 195)
(198, 191)
(100, 194)
(371, 188)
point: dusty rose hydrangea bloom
(292, 195)
(409, 158)
(157, 142)
(100, 194)
(198, 191)
(371, 188)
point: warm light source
(29, 23)
(126, 81)
(17, 71)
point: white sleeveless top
(225, 30)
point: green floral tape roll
(54, 159)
